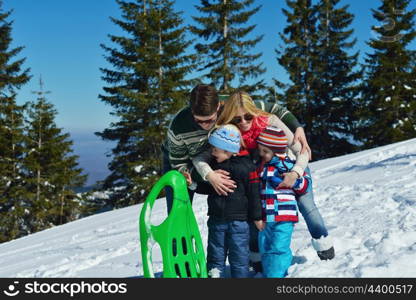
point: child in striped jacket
(280, 210)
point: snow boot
(257, 266)
(255, 262)
(327, 254)
(324, 248)
(214, 273)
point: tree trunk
(225, 31)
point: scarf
(250, 136)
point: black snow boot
(255, 261)
(327, 254)
(257, 266)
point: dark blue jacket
(244, 203)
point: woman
(241, 111)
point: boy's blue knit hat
(226, 137)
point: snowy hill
(367, 199)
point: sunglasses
(237, 120)
(209, 121)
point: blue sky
(62, 39)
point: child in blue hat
(228, 234)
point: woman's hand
(289, 180)
(221, 182)
(301, 138)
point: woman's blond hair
(238, 100)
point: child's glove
(301, 185)
(298, 182)
(276, 180)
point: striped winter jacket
(279, 205)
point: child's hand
(187, 177)
(260, 225)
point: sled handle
(177, 182)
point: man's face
(206, 122)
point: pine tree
(13, 207)
(388, 110)
(13, 204)
(298, 56)
(146, 86)
(226, 54)
(336, 88)
(323, 89)
(52, 170)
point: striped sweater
(281, 112)
(185, 140)
(279, 205)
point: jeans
(227, 238)
(274, 245)
(310, 213)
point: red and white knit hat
(273, 138)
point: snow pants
(227, 238)
(274, 245)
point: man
(188, 136)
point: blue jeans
(274, 245)
(228, 238)
(313, 218)
(310, 213)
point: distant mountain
(92, 155)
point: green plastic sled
(178, 236)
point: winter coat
(279, 204)
(243, 203)
(185, 139)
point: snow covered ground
(368, 201)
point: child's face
(265, 153)
(221, 155)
